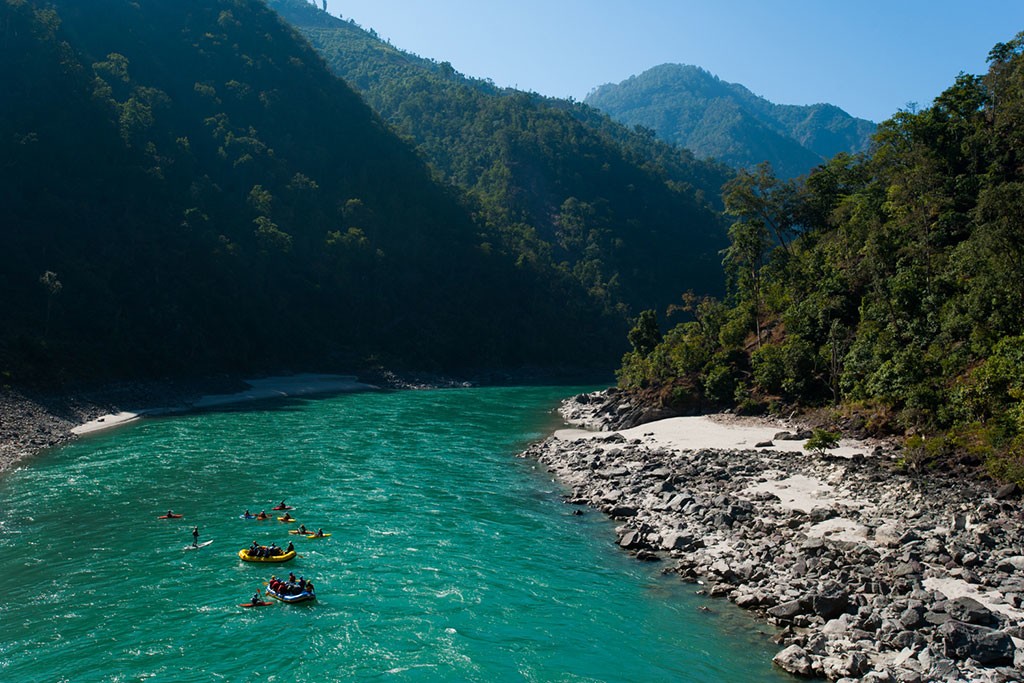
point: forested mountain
(630, 217)
(187, 188)
(889, 287)
(690, 107)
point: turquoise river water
(450, 559)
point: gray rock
(888, 535)
(910, 568)
(631, 539)
(622, 511)
(677, 541)
(830, 605)
(912, 618)
(970, 611)
(852, 664)
(795, 660)
(747, 601)
(1011, 565)
(1007, 491)
(984, 645)
(787, 610)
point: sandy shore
(31, 422)
(259, 390)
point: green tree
(645, 334)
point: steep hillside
(631, 218)
(189, 189)
(889, 288)
(690, 107)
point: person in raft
(195, 536)
(290, 548)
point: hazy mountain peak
(692, 107)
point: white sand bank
(261, 389)
(711, 432)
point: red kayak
(282, 507)
(170, 516)
(255, 604)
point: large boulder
(984, 645)
(795, 660)
(787, 611)
(970, 611)
(830, 605)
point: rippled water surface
(450, 559)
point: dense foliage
(890, 286)
(187, 188)
(632, 219)
(688, 106)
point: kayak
(289, 520)
(201, 545)
(170, 516)
(304, 596)
(254, 604)
(282, 507)
(307, 534)
(249, 517)
(244, 555)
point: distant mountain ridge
(691, 107)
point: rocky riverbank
(34, 420)
(871, 573)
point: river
(449, 558)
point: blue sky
(869, 57)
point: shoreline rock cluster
(875, 576)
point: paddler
(195, 537)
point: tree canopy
(188, 189)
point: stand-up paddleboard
(201, 545)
